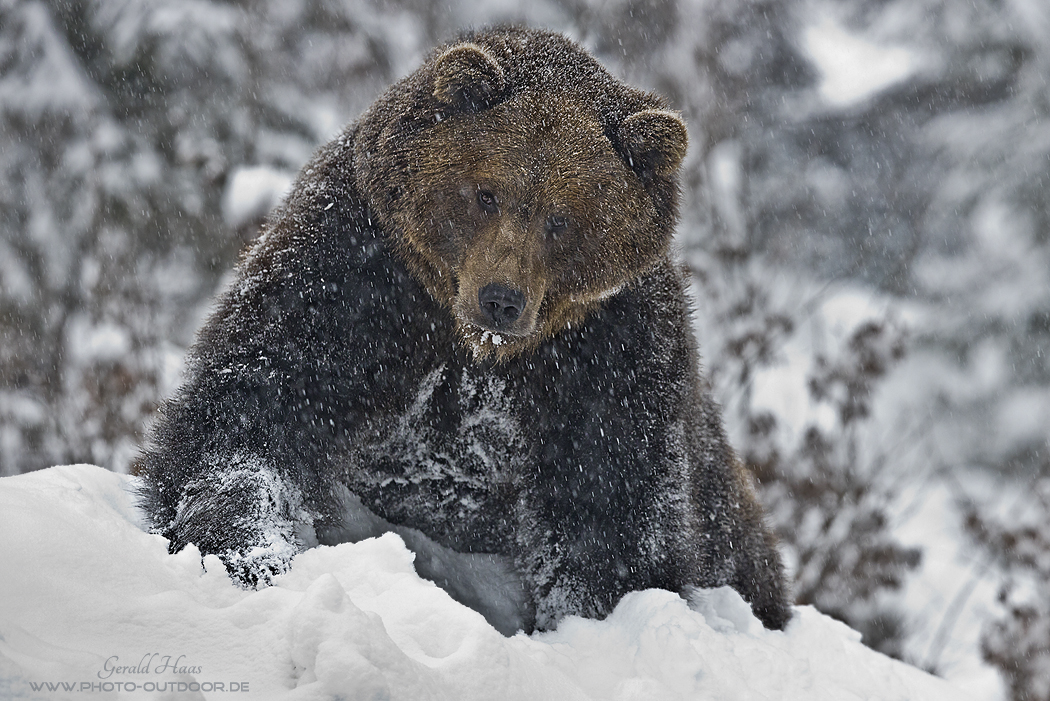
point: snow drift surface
(92, 607)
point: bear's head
(521, 183)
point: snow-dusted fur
(591, 458)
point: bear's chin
(488, 344)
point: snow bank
(91, 606)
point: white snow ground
(93, 607)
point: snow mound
(91, 606)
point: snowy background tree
(866, 219)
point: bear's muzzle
(500, 305)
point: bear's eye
(556, 225)
(488, 201)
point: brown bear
(464, 325)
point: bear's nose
(500, 304)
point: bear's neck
(437, 280)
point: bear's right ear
(653, 142)
(468, 78)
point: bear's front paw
(258, 567)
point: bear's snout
(500, 305)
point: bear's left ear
(653, 142)
(468, 78)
